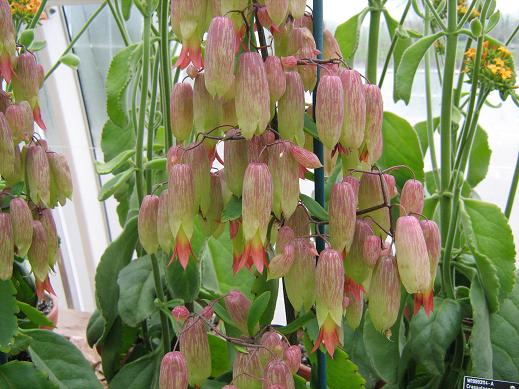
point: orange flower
(470, 53)
(503, 50)
(493, 68)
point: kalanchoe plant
(380, 239)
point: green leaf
(21, 343)
(492, 21)
(429, 338)
(184, 284)
(421, 131)
(114, 184)
(479, 159)
(37, 46)
(314, 207)
(401, 147)
(114, 163)
(118, 78)
(95, 328)
(156, 164)
(296, 324)
(116, 139)
(354, 346)
(256, 311)
(348, 35)
(26, 37)
(126, 8)
(113, 260)
(71, 60)
(61, 360)
(8, 311)
(504, 334)
(310, 127)
(490, 239)
(480, 346)
(342, 372)
(408, 65)
(23, 375)
(34, 315)
(232, 210)
(139, 374)
(300, 382)
(382, 352)
(136, 291)
(220, 362)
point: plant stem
(37, 15)
(76, 38)
(437, 17)
(120, 24)
(446, 138)
(512, 35)
(151, 120)
(428, 101)
(513, 190)
(165, 70)
(394, 40)
(166, 342)
(374, 29)
(461, 78)
(318, 150)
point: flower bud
(147, 223)
(274, 347)
(292, 358)
(21, 218)
(297, 8)
(6, 245)
(374, 118)
(329, 286)
(372, 250)
(300, 279)
(181, 108)
(38, 175)
(6, 148)
(173, 371)
(356, 265)
(196, 157)
(38, 253)
(164, 237)
(247, 371)
(47, 220)
(277, 10)
(291, 108)
(384, 294)
(299, 222)
(235, 155)
(355, 184)
(331, 47)
(285, 179)
(194, 344)
(180, 313)
(27, 81)
(342, 216)
(285, 254)
(219, 56)
(412, 197)
(390, 185)
(329, 112)
(276, 79)
(278, 372)
(181, 210)
(256, 208)
(258, 149)
(252, 95)
(207, 110)
(354, 123)
(302, 45)
(305, 158)
(238, 306)
(7, 42)
(21, 121)
(370, 195)
(5, 101)
(412, 256)
(212, 223)
(355, 305)
(60, 179)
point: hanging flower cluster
(252, 98)
(35, 179)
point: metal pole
(319, 173)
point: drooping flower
(354, 123)
(147, 223)
(384, 294)
(372, 250)
(256, 208)
(37, 171)
(292, 358)
(196, 157)
(300, 279)
(27, 81)
(247, 371)
(356, 265)
(48, 223)
(164, 236)
(181, 108)
(6, 246)
(371, 195)
(281, 263)
(329, 287)
(38, 253)
(238, 306)
(291, 108)
(252, 95)
(61, 186)
(329, 112)
(194, 344)
(235, 156)
(20, 119)
(6, 148)
(7, 42)
(173, 371)
(353, 303)
(273, 347)
(342, 216)
(302, 45)
(219, 56)
(297, 8)
(212, 220)
(412, 257)
(21, 218)
(276, 80)
(188, 19)
(331, 47)
(277, 10)
(374, 117)
(181, 212)
(277, 372)
(258, 147)
(412, 197)
(285, 178)
(299, 222)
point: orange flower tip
(182, 251)
(363, 157)
(6, 70)
(38, 119)
(328, 335)
(183, 60)
(42, 287)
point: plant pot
(50, 308)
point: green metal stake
(319, 173)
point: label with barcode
(485, 383)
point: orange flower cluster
(497, 70)
(24, 10)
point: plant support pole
(319, 173)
